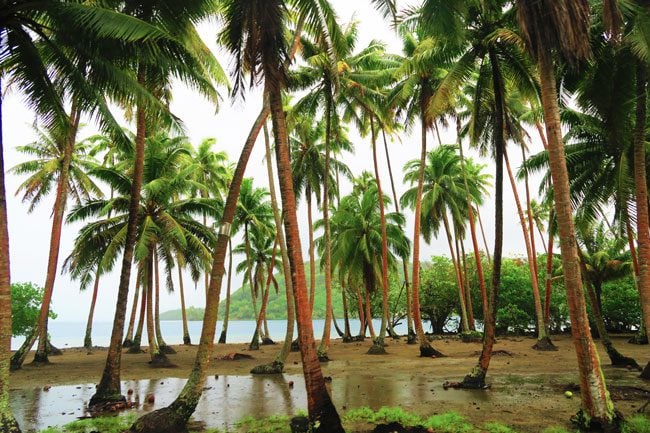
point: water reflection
(227, 399)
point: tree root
(295, 346)
(584, 422)
(127, 343)
(135, 349)
(266, 341)
(100, 401)
(323, 357)
(187, 340)
(411, 338)
(161, 361)
(273, 368)
(222, 338)
(427, 351)
(377, 348)
(545, 345)
(161, 420)
(348, 339)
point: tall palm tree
(563, 26)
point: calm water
(71, 334)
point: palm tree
(563, 26)
(63, 163)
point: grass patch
(272, 424)
(104, 424)
(636, 424)
(450, 422)
(385, 415)
(495, 427)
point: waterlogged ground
(527, 389)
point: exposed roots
(187, 340)
(52, 350)
(273, 368)
(323, 357)
(161, 361)
(40, 359)
(545, 345)
(584, 422)
(427, 351)
(127, 343)
(266, 341)
(348, 339)
(377, 348)
(638, 338)
(255, 345)
(135, 349)
(161, 420)
(167, 350)
(621, 361)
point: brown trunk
(128, 340)
(186, 331)
(468, 295)
(485, 243)
(265, 299)
(595, 398)
(255, 342)
(312, 259)
(7, 421)
(543, 341)
(322, 412)
(109, 388)
(549, 270)
(224, 329)
(630, 242)
(347, 333)
(409, 314)
(371, 328)
(162, 345)
(362, 316)
(137, 340)
(459, 280)
(58, 213)
(88, 342)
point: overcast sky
(29, 233)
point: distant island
(241, 307)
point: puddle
(227, 399)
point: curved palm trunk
(109, 388)
(137, 340)
(55, 235)
(224, 330)
(7, 421)
(186, 332)
(266, 287)
(88, 341)
(312, 259)
(371, 327)
(158, 357)
(407, 285)
(459, 279)
(277, 366)
(543, 340)
(255, 341)
(378, 344)
(322, 412)
(549, 270)
(325, 340)
(18, 358)
(468, 294)
(128, 340)
(641, 187)
(426, 350)
(162, 345)
(362, 315)
(596, 401)
(485, 243)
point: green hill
(241, 306)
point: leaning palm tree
(562, 28)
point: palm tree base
(40, 359)
(8, 424)
(621, 361)
(645, 373)
(360, 338)
(273, 368)
(99, 401)
(639, 338)
(266, 341)
(187, 340)
(254, 345)
(427, 351)
(134, 349)
(545, 344)
(586, 423)
(167, 350)
(378, 347)
(411, 337)
(295, 346)
(88, 344)
(348, 339)
(222, 338)
(127, 343)
(160, 361)
(52, 350)
(322, 356)
(165, 419)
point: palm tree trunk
(88, 342)
(362, 316)
(18, 358)
(630, 241)
(109, 388)
(255, 342)
(472, 230)
(158, 357)
(7, 421)
(162, 345)
(128, 340)
(543, 340)
(277, 366)
(485, 243)
(459, 280)
(137, 340)
(468, 295)
(224, 330)
(312, 259)
(55, 237)
(325, 340)
(641, 187)
(409, 314)
(378, 344)
(347, 333)
(266, 286)
(322, 412)
(371, 327)
(186, 332)
(549, 270)
(595, 398)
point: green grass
(105, 424)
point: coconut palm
(563, 27)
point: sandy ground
(527, 389)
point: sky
(29, 233)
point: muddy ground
(527, 387)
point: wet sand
(527, 389)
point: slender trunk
(347, 333)
(109, 388)
(128, 340)
(186, 332)
(162, 345)
(468, 295)
(155, 352)
(378, 344)
(362, 316)
(206, 276)
(312, 259)
(549, 270)
(255, 342)
(472, 230)
(18, 358)
(409, 314)
(322, 412)
(485, 243)
(58, 213)
(266, 286)
(325, 340)
(595, 398)
(224, 330)
(543, 340)
(8, 423)
(641, 187)
(459, 280)
(371, 328)
(137, 340)
(88, 341)
(630, 242)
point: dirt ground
(527, 387)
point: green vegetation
(194, 314)
(25, 305)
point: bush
(26, 301)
